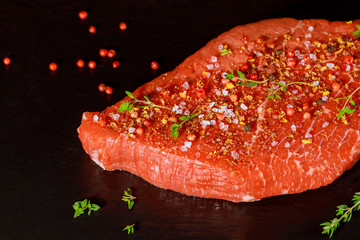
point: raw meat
(268, 108)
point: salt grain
(325, 124)
(187, 112)
(210, 66)
(316, 83)
(243, 106)
(221, 47)
(313, 56)
(308, 135)
(214, 110)
(307, 43)
(311, 28)
(295, 91)
(297, 52)
(131, 129)
(274, 143)
(225, 93)
(95, 118)
(187, 144)
(235, 155)
(325, 98)
(175, 108)
(348, 68)
(115, 117)
(182, 105)
(217, 65)
(213, 59)
(290, 106)
(186, 85)
(158, 89)
(330, 65)
(213, 122)
(287, 145)
(211, 104)
(236, 121)
(293, 127)
(201, 115)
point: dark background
(44, 169)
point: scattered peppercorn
(291, 53)
(254, 76)
(83, 15)
(330, 49)
(271, 77)
(154, 65)
(278, 52)
(139, 131)
(247, 127)
(108, 90)
(102, 122)
(291, 63)
(101, 87)
(53, 66)
(290, 112)
(115, 64)
(103, 52)
(80, 63)
(92, 64)
(307, 115)
(336, 86)
(319, 101)
(122, 26)
(191, 137)
(200, 93)
(111, 53)
(349, 59)
(92, 29)
(147, 123)
(7, 61)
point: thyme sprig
(127, 106)
(345, 109)
(81, 206)
(357, 32)
(345, 214)
(129, 198)
(129, 228)
(241, 76)
(284, 88)
(176, 127)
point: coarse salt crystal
(325, 98)
(301, 56)
(213, 59)
(316, 83)
(287, 145)
(236, 121)
(325, 124)
(215, 110)
(293, 127)
(186, 85)
(223, 108)
(158, 89)
(205, 122)
(225, 93)
(312, 56)
(308, 35)
(307, 43)
(330, 65)
(131, 129)
(290, 106)
(95, 118)
(295, 91)
(274, 143)
(243, 106)
(348, 68)
(297, 52)
(175, 108)
(187, 112)
(183, 148)
(235, 155)
(217, 92)
(226, 127)
(302, 62)
(211, 104)
(213, 122)
(210, 66)
(311, 28)
(187, 144)
(182, 105)
(308, 135)
(179, 111)
(217, 65)
(208, 75)
(221, 47)
(201, 115)
(115, 117)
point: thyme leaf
(129, 198)
(81, 206)
(129, 228)
(225, 51)
(345, 109)
(176, 127)
(345, 214)
(127, 106)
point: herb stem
(349, 98)
(284, 87)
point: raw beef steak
(264, 109)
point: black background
(44, 169)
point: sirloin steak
(264, 109)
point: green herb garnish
(251, 83)
(129, 228)
(284, 88)
(176, 127)
(81, 206)
(345, 212)
(357, 32)
(225, 51)
(345, 109)
(127, 106)
(129, 198)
